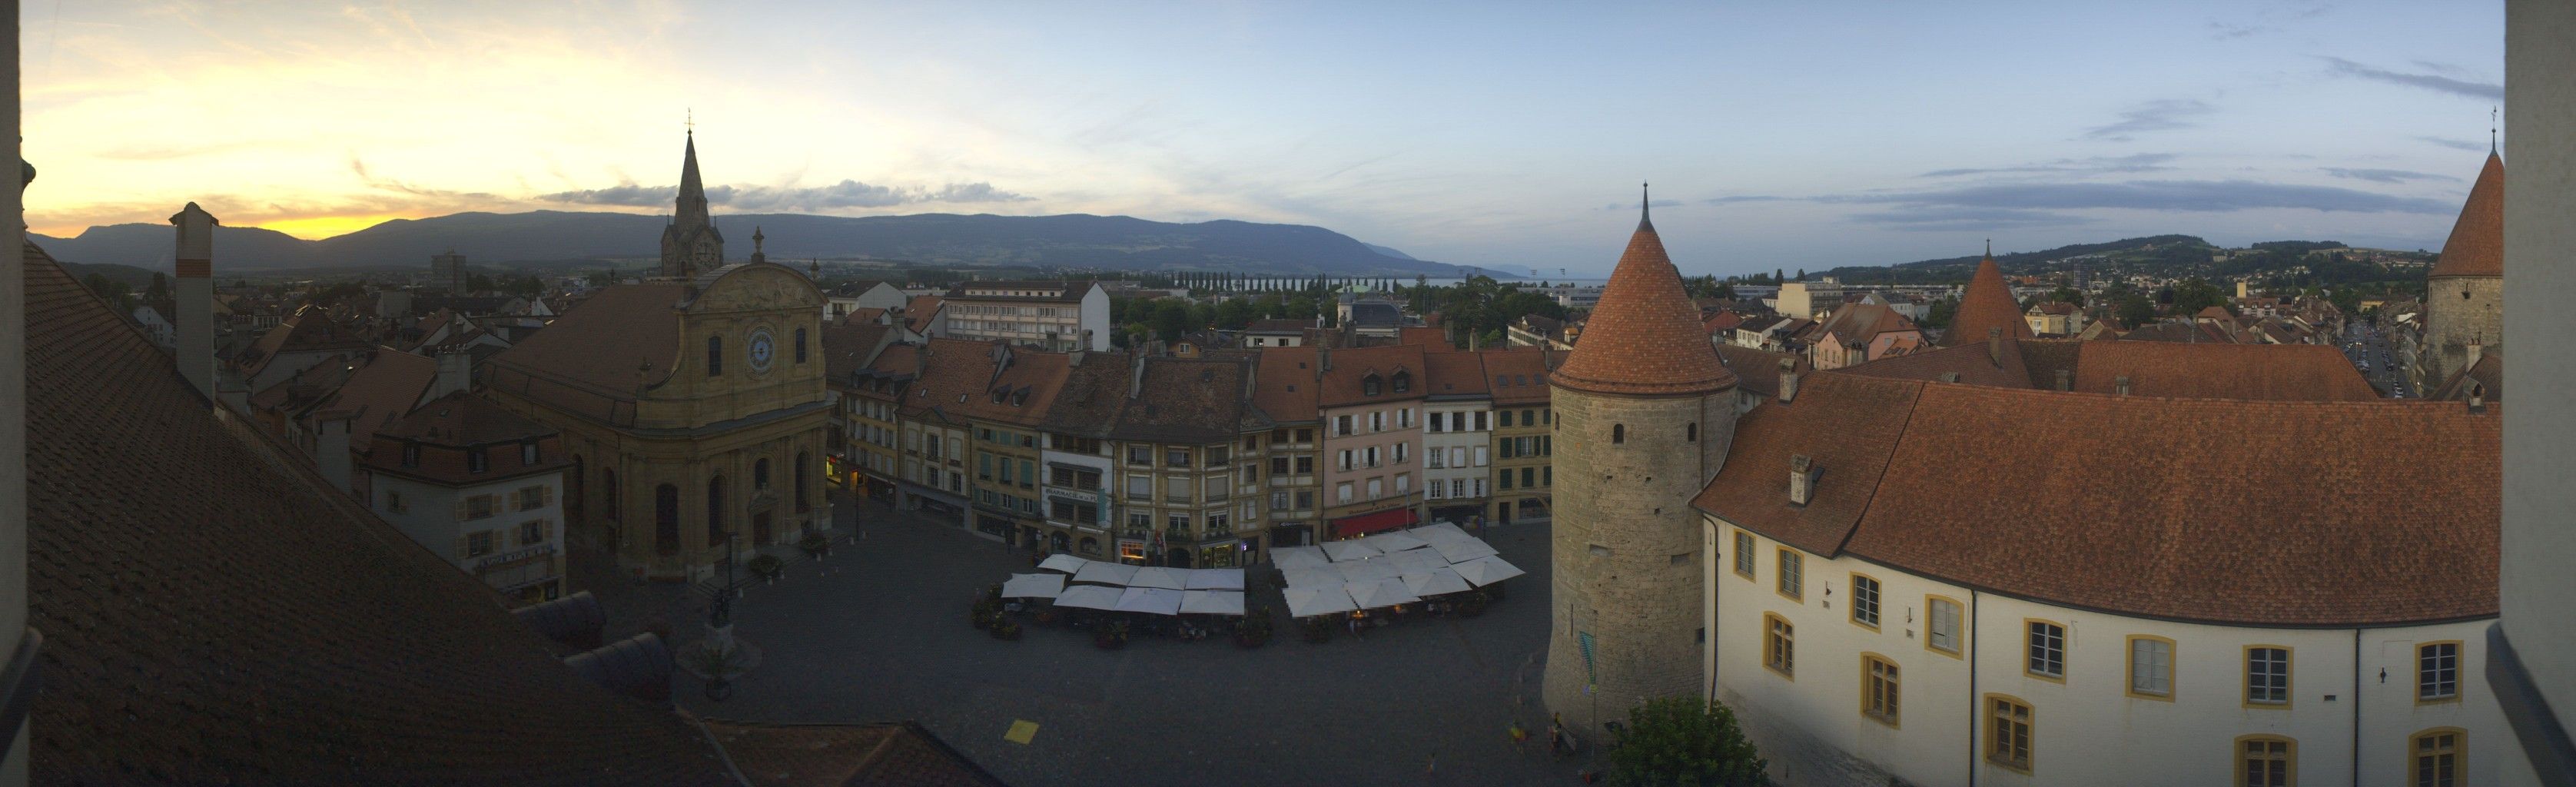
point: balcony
(1182, 498)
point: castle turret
(1644, 413)
(1987, 304)
(2464, 293)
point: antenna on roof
(690, 121)
(2491, 129)
(1645, 205)
(1990, 247)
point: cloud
(2226, 32)
(2384, 175)
(1743, 198)
(1951, 218)
(2159, 115)
(2484, 90)
(1661, 203)
(847, 194)
(396, 185)
(2141, 162)
(2199, 196)
(2454, 144)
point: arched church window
(715, 356)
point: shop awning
(1364, 524)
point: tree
(1171, 319)
(160, 288)
(114, 290)
(2193, 295)
(1234, 314)
(2067, 295)
(1684, 740)
(1939, 315)
(2133, 309)
(478, 283)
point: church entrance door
(760, 528)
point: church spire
(692, 208)
(690, 243)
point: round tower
(2464, 293)
(1644, 411)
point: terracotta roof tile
(2476, 246)
(1285, 384)
(1987, 303)
(1185, 400)
(380, 392)
(1456, 375)
(2257, 372)
(2256, 513)
(1759, 370)
(1343, 382)
(201, 654)
(1519, 374)
(597, 354)
(1644, 337)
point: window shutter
(461, 514)
(546, 496)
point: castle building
(2464, 293)
(1986, 308)
(693, 405)
(1647, 412)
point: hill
(1076, 242)
(2155, 253)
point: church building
(693, 404)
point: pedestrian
(1432, 772)
(1520, 737)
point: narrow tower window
(1690, 432)
(1618, 433)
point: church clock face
(762, 350)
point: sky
(1509, 135)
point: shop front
(1131, 551)
(1291, 534)
(1459, 515)
(1230, 554)
(1364, 524)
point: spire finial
(2492, 123)
(1990, 248)
(1645, 205)
(690, 120)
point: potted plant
(1319, 630)
(984, 613)
(767, 566)
(1005, 628)
(1110, 637)
(1254, 633)
(816, 545)
(1045, 616)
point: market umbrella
(1391, 542)
(1486, 571)
(1381, 593)
(1212, 602)
(1298, 557)
(1314, 578)
(1216, 579)
(1341, 551)
(1105, 573)
(1414, 561)
(1065, 563)
(1367, 570)
(1307, 602)
(1159, 577)
(1460, 551)
(1435, 582)
(1033, 586)
(1154, 601)
(1089, 597)
(1437, 532)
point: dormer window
(528, 453)
(476, 461)
(1369, 385)
(411, 455)
(1403, 382)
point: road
(2377, 360)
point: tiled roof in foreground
(2476, 245)
(213, 617)
(2325, 514)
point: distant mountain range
(2164, 256)
(929, 240)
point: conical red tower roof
(1988, 303)
(2476, 247)
(1644, 337)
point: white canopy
(1212, 602)
(1159, 577)
(1486, 570)
(1306, 602)
(1350, 550)
(1099, 573)
(1460, 551)
(1382, 593)
(1414, 561)
(1367, 570)
(1437, 532)
(1298, 557)
(1033, 586)
(1063, 562)
(1391, 542)
(1158, 601)
(1435, 582)
(1089, 597)
(1216, 579)
(1314, 578)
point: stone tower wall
(1627, 549)
(2452, 322)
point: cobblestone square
(879, 632)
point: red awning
(1365, 524)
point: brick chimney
(1788, 380)
(1995, 345)
(195, 293)
(2123, 382)
(2477, 396)
(1802, 479)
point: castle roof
(2224, 511)
(1987, 304)
(1644, 337)
(2476, 247)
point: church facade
(693, 404)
